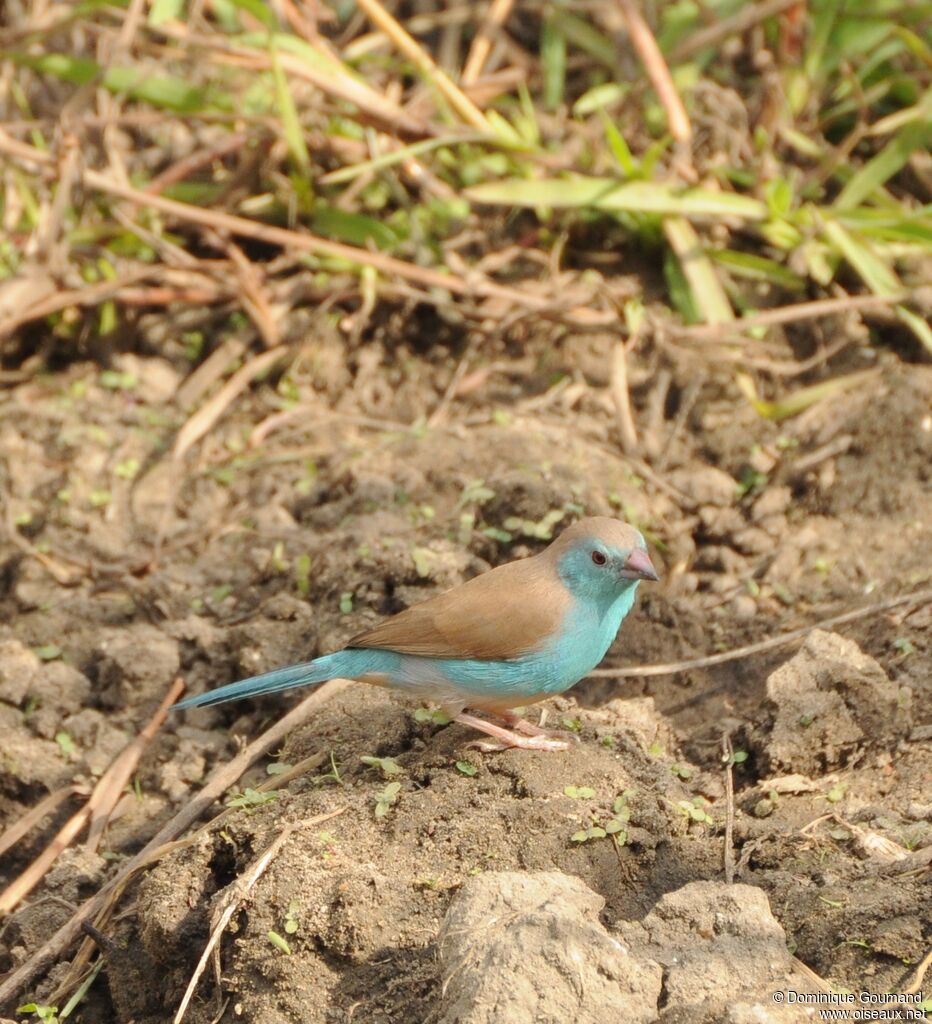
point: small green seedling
(385, 800)
(278, 768)
(388, 766)
(279, 942)
(128, 469)
(836, 793)
(737, 757)
(466, 768)
(579, 792)
(615, 826)
(302, 574)
(250, 799)
(592, 831)
(437, 716)
(333, 774)
(681, 771)
(424, 560)
(47, 652)
(46, 1013)
(573, 724)
(292, 924)
(695, 810)
(65, 744)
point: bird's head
(601, 558)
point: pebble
(752, 540)
(744, 607)
(720, 522)
(773, 501)
(706, 485)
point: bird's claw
(529, 729)
(508, 738)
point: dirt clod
(519, 947)
(830, 701)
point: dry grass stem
(202, 421)
(627, 431)
(642, 39)
(221, 780)
(97, 810)
(235, 894)
(482, 42)
(407, 45)
(34, 815)
(670, 668)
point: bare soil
(261, 550)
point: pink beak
(638, 566)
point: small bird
(515, 635)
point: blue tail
(342, 663)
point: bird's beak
(638, 566)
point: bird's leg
(506, 737)
(519, 724)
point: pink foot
(530, 729)
(537, 741)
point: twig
(97, 809)
(746, 18)
(253, 297)
(411, 49)
(786, 315)
(656, 67)
(108, 790)
(221, 780)
(619, 388)
(439, 415)
(482, 43)
(202, 379)
(672, 667)
(198, 425)
(728, 755)
(187, 165)
(34, 815)
(330, 76)
(235, 895)
(916, 984)
(89, 295)
(289, 240)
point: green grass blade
(76, 70)
(553, 61)
(167, 92)
(798, 401)
(165, 10)
(871, 268)
(586, 37)
(259, 10)
(353, 228)
(917, 325)
(619, 147)
(757, 268)
(611, 195)
(291, 124)
(888, 162)
(708, 295)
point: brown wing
(503, 613)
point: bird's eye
(598, 558)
